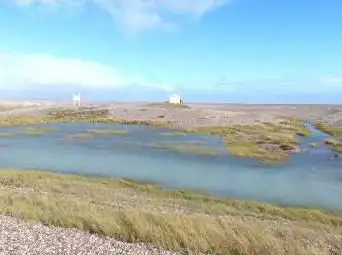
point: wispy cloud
(24, 70)
(138, 15)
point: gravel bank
(18, 237)
(200, 114)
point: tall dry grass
(170, 219)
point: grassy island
(268, 141)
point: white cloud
(23, 70)
(142, 14)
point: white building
(175, 99)
(76, 99)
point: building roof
(175, 95)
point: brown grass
(171, 219)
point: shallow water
(310, 178)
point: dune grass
(170, 219)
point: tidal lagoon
(311, 177)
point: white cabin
(76, 99)
(175, 99)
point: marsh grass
(329, 129)
(80, 136)
(4, 135)
(90, 115)
(188, 148)
(335, 144)
(108, 131)
(38, 130)
(174, 134)
(170, 219)
(295, 125)
(267, 141)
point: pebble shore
(18, 237)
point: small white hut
(175, 99)
(76, 99)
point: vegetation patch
(91, 115)
(335, 144)
(80, 136)
(267, 141)
(38, 130)
(108, 131)
(174, 134)
(170, 219)
(329, 129)
(6, 135)
(295, 125)
(188, 148)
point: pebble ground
(18, 237)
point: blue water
(311, 178)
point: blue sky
(206, 50)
